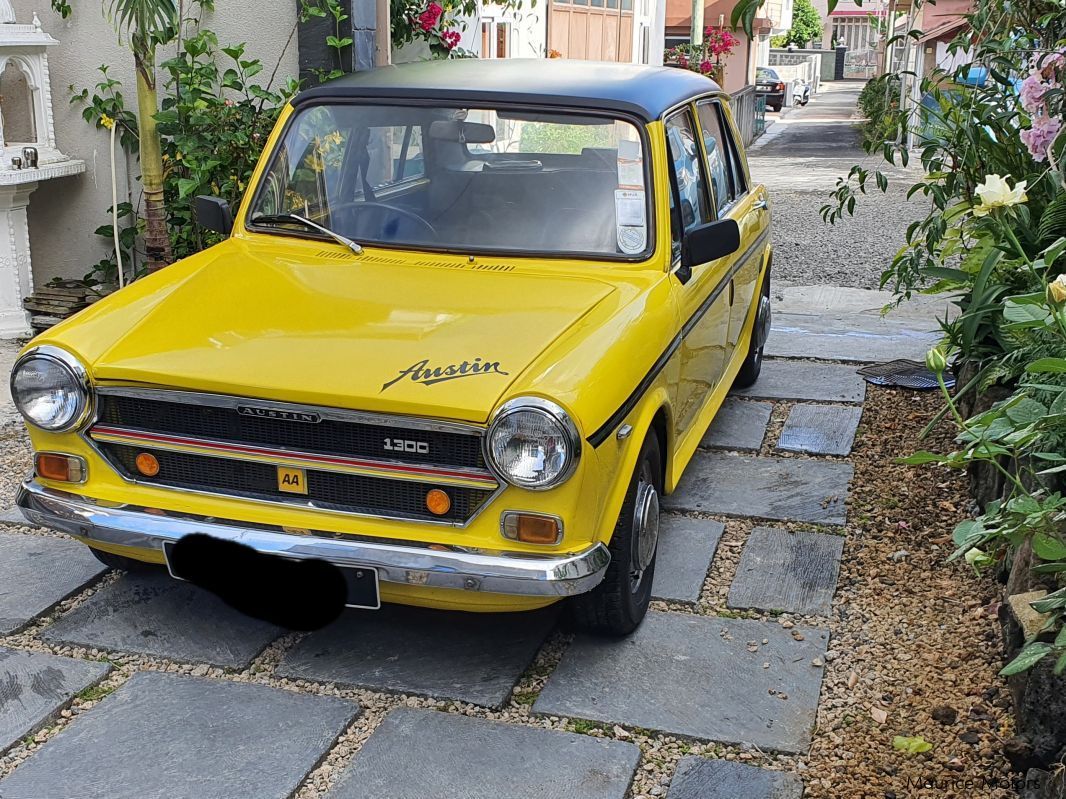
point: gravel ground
(799, 161)
(918, 637)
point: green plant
(879, 103)
(806, 25)
(214, 120)
(147, 24)
(337, 42)
(1024, 438)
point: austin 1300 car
(464, 332)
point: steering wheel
(360, 208)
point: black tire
(618, 604)
(121, 562)
(776, 107)
(752, 366)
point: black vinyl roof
(645, 92)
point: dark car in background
(768, 84)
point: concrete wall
(826, 60)
(64, 213)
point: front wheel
(752, 366)
(618, 604)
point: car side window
(736, 160)
(718, 156)
(689, 203)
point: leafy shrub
(879, 103)
(215, 119)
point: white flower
(1056, 291)
(995, 192)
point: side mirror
(213, 213)
(709, 242)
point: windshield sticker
(427, 375)
(630, 221)
(630, 165)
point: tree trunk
(156, 238)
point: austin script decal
(427, 375)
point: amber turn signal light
(64, 468)
(531, 528)
(438, 502)
(147, 464)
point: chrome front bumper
(406, 563)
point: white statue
(7, 13)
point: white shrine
(28, 155)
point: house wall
(63, 213)
(526, 31)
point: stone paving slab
(153, 614)
(426, 754)
(468, 657)
(771, 488)
(696, 676)
(820, 429)
(791, 572)
(34, 687)
(686, 549)
(739, 424)
(806, 380)
(37, 573)
(699, 778)
(14, 517)
(860, 338)
(161, 735)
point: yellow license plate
(292, 481)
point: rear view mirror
(462, 132)
(213, 213)
(709, 242)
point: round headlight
(532, 443)
(50, 389)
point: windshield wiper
(274, 219)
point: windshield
(458, 179)
(762, 73)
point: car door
(735, 198)
(703, 303)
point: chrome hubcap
(762, 322)
(645, 530)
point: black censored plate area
(237, 572)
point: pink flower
(1040, 136)
(1032, 93)
(705, 67)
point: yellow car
(469, 325)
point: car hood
(443, 338)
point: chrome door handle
(760, 205)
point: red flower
(705, 67)
(451, 39)
(428, 18)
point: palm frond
(142, 17)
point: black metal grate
(327, 490)
(905, 374)
(328, 437)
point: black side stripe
(616, 418)
(608, 427)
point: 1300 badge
(427, 375)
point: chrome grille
(203, 443)
(328, 437)
(371, 496)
